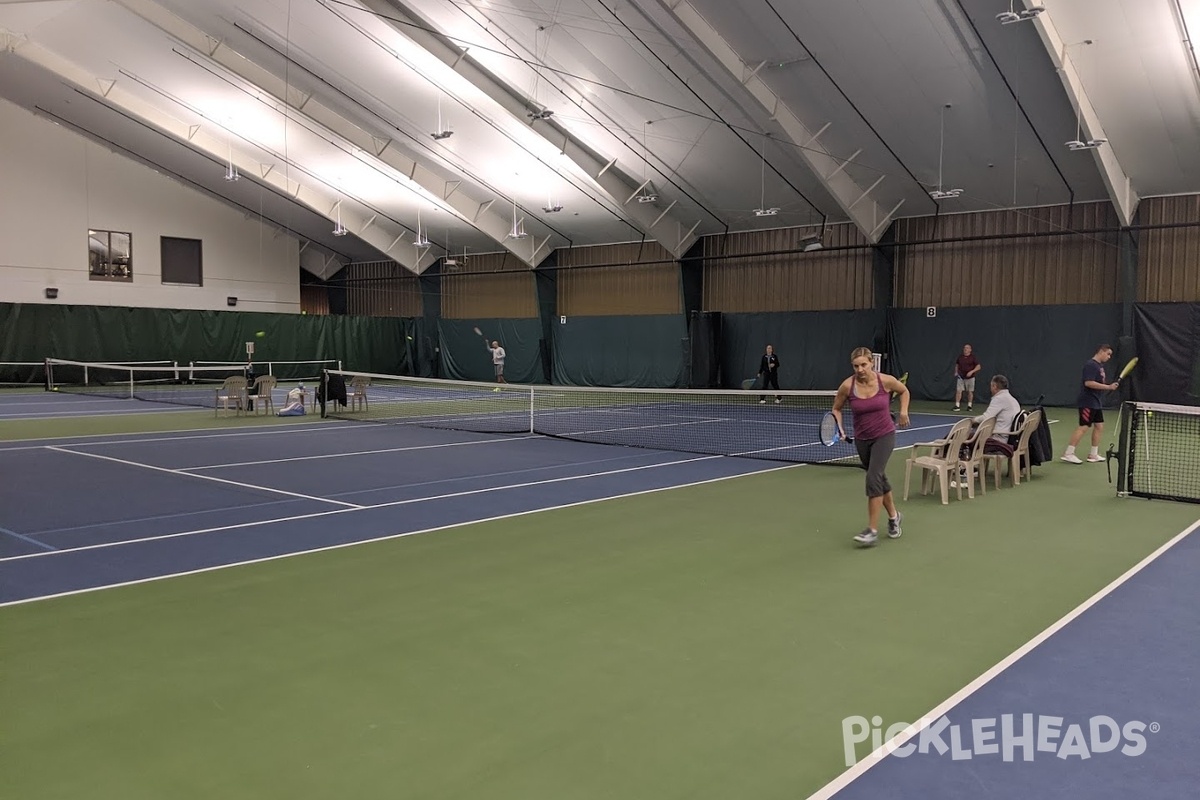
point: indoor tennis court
(599, 399)
(367, 594)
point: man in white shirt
(1004, 407)
(497, 360)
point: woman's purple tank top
(872, 415)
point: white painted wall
(55, 185)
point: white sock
(1095, 451)
(1070, 450)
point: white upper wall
(55, 185)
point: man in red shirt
(965, 368)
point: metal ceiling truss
(866, 213)
(1120, 188)
(377, 232)
(672, 232)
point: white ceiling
(827, 110)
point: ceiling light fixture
(422, 240)
(813, 241)
(762, 210)
(1024, 15)
(940, 193)
(534, 116)
(518, 227)
(231, 173)
(339, 229)
(1080, 143)
(646, 193)
(443, 131)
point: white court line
(380, 538)
(87, 414)
(354, 507)
(700, 421)
(152, 436)
(63, 399)
(360, 453)
(819, 444)
(853, 773)
(202, 477)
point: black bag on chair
(1041, 449)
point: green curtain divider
(465, 357)
(32, 332)
(813, 346)
(1168, 346)
(641, 351)
(1041, 349)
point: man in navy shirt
(1090, 405)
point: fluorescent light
(765, 212)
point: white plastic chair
(942, 461)
(232, 393)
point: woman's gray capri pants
(874, 455)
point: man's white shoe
(1095, 457)
(1071, 458)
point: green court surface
(701, 642)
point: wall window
(182, 261)
(110, 256)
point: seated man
(295, 403)
(1004, 407)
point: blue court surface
(88, 512)
(1104, 705)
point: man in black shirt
(768, 370)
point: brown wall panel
(1047, 270)
(382, 289)
(314, 299)
(624, 287)
(790, 281)
(1169, 258)
(505, 294)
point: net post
(1124, 457)
(48, 374)
(531, 395)
(132, 395)
(322, 388)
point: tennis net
(283, 370)
(1158, 456)
(186, 385)
(710, 422)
